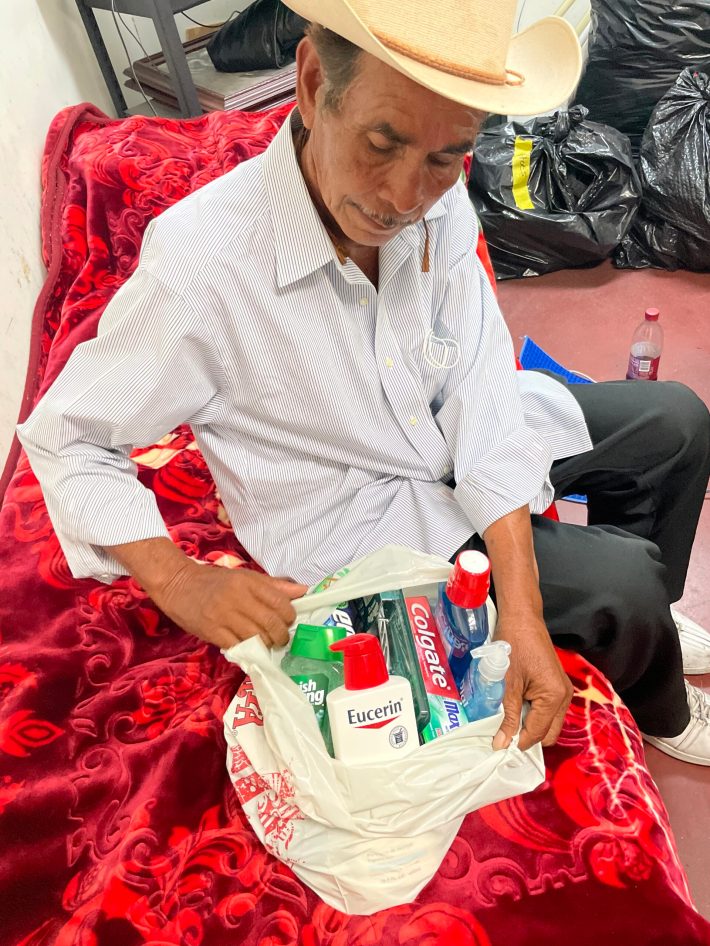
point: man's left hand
(535, 674)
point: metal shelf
(162, 13)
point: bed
(118, 822)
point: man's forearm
(153, 563)
(509, 545)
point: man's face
(385, 157)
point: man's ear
(309, 79)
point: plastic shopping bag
(368, 837)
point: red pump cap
(365, 665)
(469, 581)
(652, 315)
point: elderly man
(319, 317)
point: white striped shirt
(329, 413)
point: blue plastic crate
(533, 357)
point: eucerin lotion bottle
(372, 716)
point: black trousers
(607, 586)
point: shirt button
(389, 363)
(412, 420)
(364, 301)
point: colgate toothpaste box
(443, 696)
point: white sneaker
(693, 744)
(694, 644)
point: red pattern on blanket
(118, 822)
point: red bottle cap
(652, 315)
(469, 581)
(365, 665)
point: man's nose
(404, 190)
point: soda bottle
(646, 346)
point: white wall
(47, 64)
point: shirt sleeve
(500, 463)
(152, 366)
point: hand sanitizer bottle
(461, 613)
(371, 717)
(483, 687)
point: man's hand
(219, 605)
(535, 674)
(224, 606)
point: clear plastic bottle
(461, 612)
(483, 687)
(646, 348)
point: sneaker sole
(676, 753)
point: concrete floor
(584, 319)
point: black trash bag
(672, 228)
(636, 50)
(552, 192)
(264, 36)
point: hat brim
(547, 54)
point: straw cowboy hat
(464, 50)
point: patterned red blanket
(118, 824)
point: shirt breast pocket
(435, 355)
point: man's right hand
(224, 606)
(219, 605)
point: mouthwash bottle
(483, 687)
(461, 613)
(316, 669)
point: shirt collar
(438, 210)
(302, 242)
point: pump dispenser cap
(495, 659)
(469, 581)
(652, 315)
(365, 665)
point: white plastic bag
(368, 837)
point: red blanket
(118, 824)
